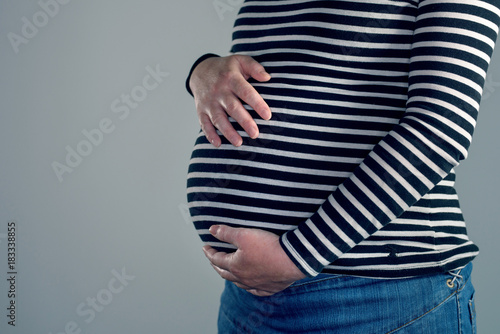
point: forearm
(451, 50)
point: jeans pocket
(472, 313)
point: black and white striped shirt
(374, 103)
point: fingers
(209, 130)
(218, 120)
(220, 88)
(235, 109)
(227, 234)
(218, 257)
(230, 277)
(226, 275)
(247, 93)
(213, 117)
(219, 260)
(251, 68)
(260, 293)
(254, 291)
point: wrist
(196, 63)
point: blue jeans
(440, 303)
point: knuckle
(206, 125)
(246, 123)
(237, 58)
(218, 119)
(260, 104)
(207, 130)
(228, 78)
(238, 273)
(246, 93)
(225, 275)
(243, 233)
(244, 59)
(232, 107)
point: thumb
(225, 233)
(251, 68)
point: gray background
(123, 207)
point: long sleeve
(452, 46)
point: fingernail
(213, 229)
(266, 74)
(268, 115)
(214, 143)
(238, 142)
(253, 133)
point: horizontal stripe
(373, 105)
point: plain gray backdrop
(106, 247)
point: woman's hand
(218, 84)
(259, 265)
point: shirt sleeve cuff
(294, 249)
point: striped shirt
(374, 103)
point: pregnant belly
(280, 179)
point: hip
(439, 303)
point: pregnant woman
(322, 182)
